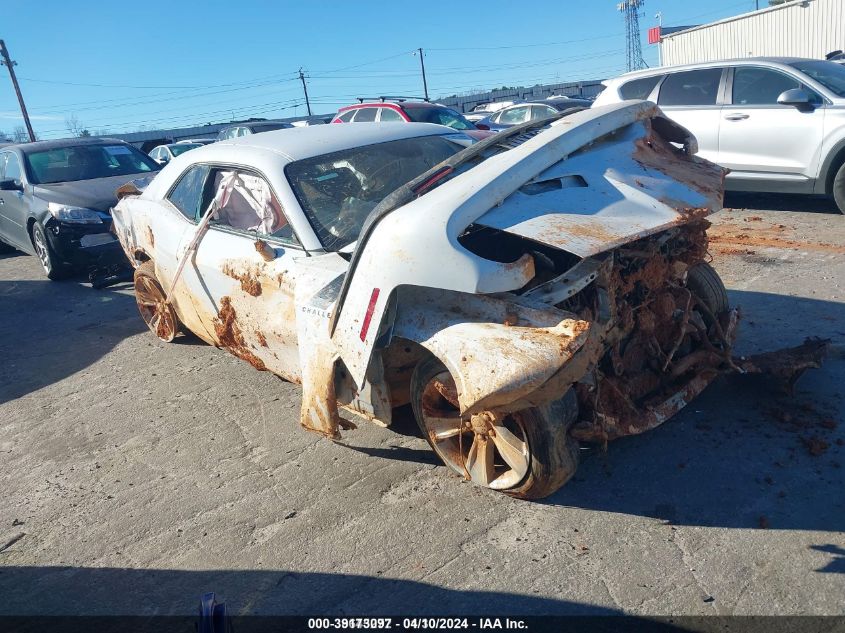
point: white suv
(777, 123)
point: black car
(56, 197)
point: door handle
(737, 117)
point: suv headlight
(74, 215)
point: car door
(761, 139)
(14, 205)
(693, 99)
(242, 276)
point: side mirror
(482, 126)
(11, 185)
(797, 98)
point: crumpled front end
(476, 270)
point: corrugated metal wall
(802, 28)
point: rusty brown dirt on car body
(230, 337)
(248, 279)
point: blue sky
(120, 67)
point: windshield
(269, 127)
(86, 162)
(337, 191)
(441, 116)
(181, 148)
(828, 74)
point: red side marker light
(369, 315)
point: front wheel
(50, 262)
(528, 454)
(839, 188)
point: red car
(400, 110)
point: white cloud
(34, 117)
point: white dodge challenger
(537, 289)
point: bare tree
(4, 138)
(20, 135)
(75, 126)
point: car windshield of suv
(181, 148)
(337, 191)
(830, 75)
(440, 116)
(86, 162)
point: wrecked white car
(543, 287)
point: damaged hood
(97, 194)
(618, 190)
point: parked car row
(529, 111)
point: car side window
(346, 117)
(541, 112)
(13, 168)
(514, 115)
(188, 192)
(691, 88)
(760, 86)
(389, 114)
(365, 115)
(249, 204)
(639, 88)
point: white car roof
(775, 62)
(270, 152)
(304, 142)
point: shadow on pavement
(120, 591)
(741, 454)
(836, 565)
(55, 329)
(779, 202)
(744, 454)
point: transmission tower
(633, 49)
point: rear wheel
(527, 454)
(159, 315)
(839, 188)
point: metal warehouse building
(800, 28)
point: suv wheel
(839, 188)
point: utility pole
(4, 53)
(659, 16)
(305, 89)
(422, 66)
